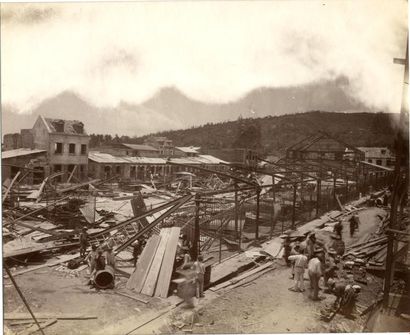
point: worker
(337, 244)
(83, 239)
(338, 228)
(295, 251)
(300, 264)
(187, 260)
(330, 267)
(348, 302)
(136, 250)
(337, 288)
(310, 245)
(315, 272)
(353, 224)
(199, 268)
(90, 259)
(286, 248)
(100, 260)
(110, 258)
(185, 244)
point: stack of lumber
(374, 250)
(152, 276)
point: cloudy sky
(216, 52)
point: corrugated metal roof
(185, 160)
(145, 160)
(100, 157)
(141, 147)
(211, 159)
(20, 152)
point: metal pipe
(105, 278)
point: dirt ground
(265, 306)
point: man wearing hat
(315, 272)
(83, 239)
(338, 228)
(286, 247)
(299, 265)
(310, 245)
(337, 244)
(330, 266)
(110, 257)
(348, 302)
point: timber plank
(242, 276)
(137, 278)
(152, 277)
(67, 316)
(167, 266)
(34, 328)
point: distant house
(382, 156)
(66, 143)
(24, 139)
(163, 144)
(323, 147)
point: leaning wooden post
(347, 189)
(258, 194)
(236, 208)
(195, 245)
(334, 190)
(22, 297)
(273, 208)
(319, 186)
(294, 206)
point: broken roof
(321, 142)
(20, 152)
(60, 126)
(140, 147)
(189, 150)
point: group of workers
(320, 260)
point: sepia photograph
(205, 167)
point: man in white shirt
(299, 270)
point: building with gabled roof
(381, 156)
(66, 143)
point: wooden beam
(72, 174)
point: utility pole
(401, 142)
(294, 207)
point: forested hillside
(275, 133)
